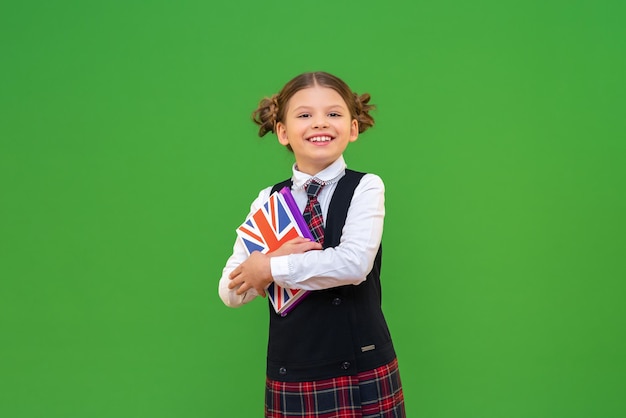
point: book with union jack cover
(277, 221)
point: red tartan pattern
(313, 211)
(374, 393)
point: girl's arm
(353, 258)
(348, 263)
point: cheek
(297, 128)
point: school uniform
(332, 355)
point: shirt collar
(330, 174)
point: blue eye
(334, 114)
(305, 115)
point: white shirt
(347, 263)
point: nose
(320, 121)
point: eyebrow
(334, 106)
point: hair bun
(363, 108)
(266, 115)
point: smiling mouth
(322, 138)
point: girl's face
(318, 127)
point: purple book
(306, 233)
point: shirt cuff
(280, 270)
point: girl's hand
(296, 246)
(254, 273)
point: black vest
(332, 332)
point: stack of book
(276, 222)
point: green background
(127, 159)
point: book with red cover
(277, 221)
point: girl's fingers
(234, 279)
(242, 289)
(234, 273)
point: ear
(354, 130)
(281, 134)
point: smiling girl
(332, 356)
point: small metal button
(345, 365)
(282, 371)
(337, 301)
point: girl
(332, 355)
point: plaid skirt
(374, 393)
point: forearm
(328, 268)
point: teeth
(320, 139)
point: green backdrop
(127, 159)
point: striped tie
(313, 212)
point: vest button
(345, 365)
(337, 301)
(282, 371)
